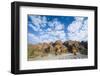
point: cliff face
(57, 48)
(73, 46)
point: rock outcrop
(57, 48)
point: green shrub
(83, 51)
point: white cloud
(46, 37)
(56, 35)
(76, 25)
(56, 25)
(48, 30)
(59, 26)
(33, 38)
(53, 33)
(79, 19)
(78, 29)
(35, 28)
(44, 21)
(38, 22)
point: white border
(26, 65)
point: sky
(47, 28)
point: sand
(59, 57)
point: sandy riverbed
(62, 56)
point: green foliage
(83, 51)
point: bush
(83, 51)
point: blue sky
(45, 28)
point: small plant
(83, 50)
